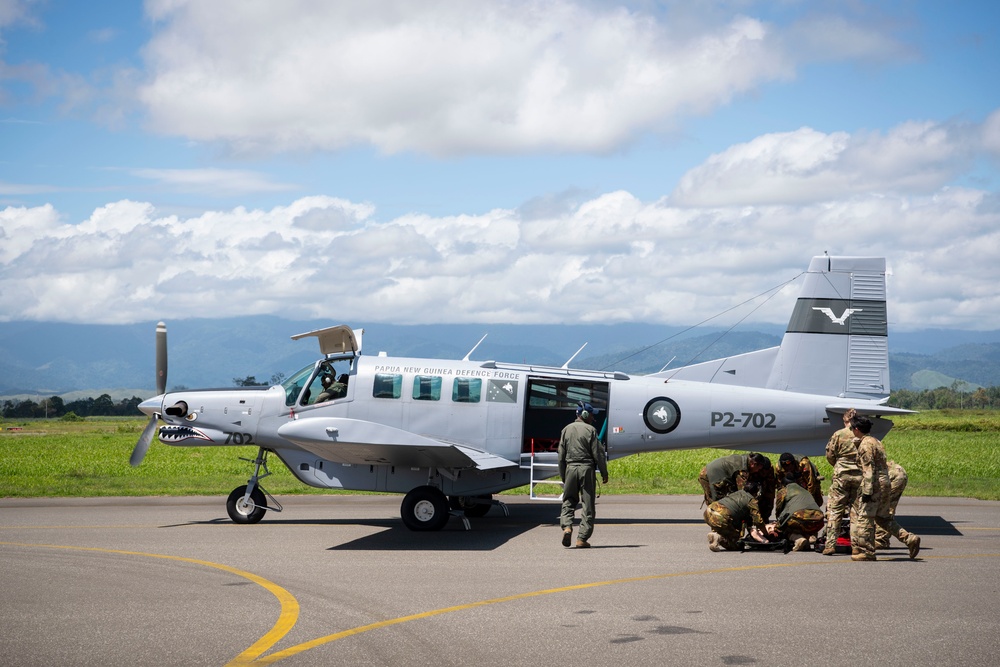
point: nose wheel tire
(425, 508)
(243, 510)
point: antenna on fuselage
(566, 365)
(466, 357)
(668, 363)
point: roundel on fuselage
(661, 414)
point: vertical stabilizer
(836, 342)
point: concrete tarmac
(338, 580)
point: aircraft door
(551, 405)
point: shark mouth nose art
(175, 434)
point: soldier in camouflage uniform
(842, 454)
(803, 472)
(872, 506)
(799, 517)
(731, 516)
(897, 484)
(730, 473)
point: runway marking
(254, 655)
(117, 525)
(289, 605)
(305, 646)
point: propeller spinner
(161, 388)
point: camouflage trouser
(867, 517)
(717, 516)
(714, 491)
(804, 523)
(895, 493)
(845, 488)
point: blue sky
(456, 161)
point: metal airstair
(542, 466)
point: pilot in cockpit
(333, 388)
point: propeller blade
(161, 358)
(142, 445)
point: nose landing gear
(249, 503)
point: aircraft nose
(151, 406)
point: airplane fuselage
(450, 433)
(399, 418)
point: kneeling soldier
(731, 516)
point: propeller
(161, 388)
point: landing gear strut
(473, 506)
(249, 503)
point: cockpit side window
(330, 381)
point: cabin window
(387, 385)
(426, 388)
(466, 390)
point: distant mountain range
(77, 360)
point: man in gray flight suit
(580, 452)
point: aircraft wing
(366, 443)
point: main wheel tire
(425, 508)
(250, 511)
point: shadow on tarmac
(495, 529)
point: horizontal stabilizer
(869, 410)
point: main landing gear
(248, 503)
(427, 508)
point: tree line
(945, 398)
(55, 408)
(942, 398)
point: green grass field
(946, 453)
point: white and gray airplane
(450, 434)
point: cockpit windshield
(293, 385)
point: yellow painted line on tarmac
(78, 527)
(254, 655)
(289, 605)
(301, 648)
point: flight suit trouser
(579, 486)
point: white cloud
(831, 37)
(13, 12)
(217, 181)
(612, 258)
(991, 133)
(807, 165)
(444, 77)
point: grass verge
(946, 453)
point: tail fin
(836, 342)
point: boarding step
(543, 468)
